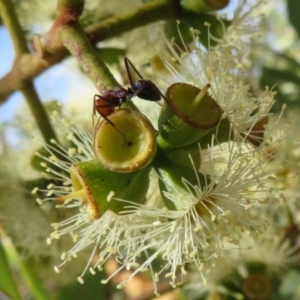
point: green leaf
(274, 77)
(7, 282)
(294, 9)
(280, 75)
(27, 275)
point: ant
(144, 89)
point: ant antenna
(104, 115)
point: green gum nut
(171, 180)
(203, 5)
(125, 142)
(187, 114)
(96, 187)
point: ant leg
(128, 65)
(94, 110)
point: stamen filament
(80, 193)
(199, 97)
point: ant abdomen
(147, 90)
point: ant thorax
(117, 93)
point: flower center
(257, 286)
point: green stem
(149, 13)
(11, 22)
(105, 29)
(76, 41)
(38, 111)
(32, 282)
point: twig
(76, 41)
(11, 22)
(51, 50)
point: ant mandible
(144, 89)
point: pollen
(99, 267)
(50, 193)
(72, 151)
(110, 196)
(35, 190)
(193, 253)
(144, 269)
(39, 201)
(80, 280)
(156, 223)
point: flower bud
(171, 178)
(188, 114)
(95, 186)
(125, 141)
(186, 156)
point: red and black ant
(144, 89)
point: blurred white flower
(208, 215)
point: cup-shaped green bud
(125, 142)
(188, 114)
(96, 186)
(185, 156)
(203, 5)
(171, 177)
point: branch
(76, 41)
(50, 50)
(11, 22)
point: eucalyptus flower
(281, 152)
(251, 272)
(202, 215)
(195, 218)
(95, 223)
(224, 67)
